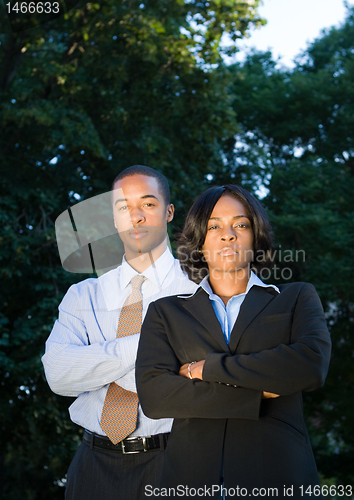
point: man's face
(140, 214)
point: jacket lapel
(255, 301)
(200, 307)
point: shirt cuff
(128, 347)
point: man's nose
(136, 216)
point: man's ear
(115, 223)
(170, 212)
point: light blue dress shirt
(227, 315)
(82, 353)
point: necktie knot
(137, 281)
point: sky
(291, 25)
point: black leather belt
(128, 445)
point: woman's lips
(228, 251)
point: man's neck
(140, 262)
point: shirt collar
(156, 273)
(253, 281)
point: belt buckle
(132, 452)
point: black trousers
(98, 474)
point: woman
(230, 361)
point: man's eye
(149, 205)
(122, 209)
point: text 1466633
(33, 7)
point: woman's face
(228, 246)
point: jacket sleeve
(300, 366)
(163, 393)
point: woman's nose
(228, 235)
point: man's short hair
(149, 172)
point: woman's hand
(269, 395)
(196, 370)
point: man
(91, 350)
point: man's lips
(137, 233)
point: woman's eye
(212, 227)
(242, 225)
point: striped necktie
(120, 409)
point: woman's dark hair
(192, 238)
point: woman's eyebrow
(236, 217)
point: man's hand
(196, 370)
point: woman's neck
(228, 284)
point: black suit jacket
(222, 428)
